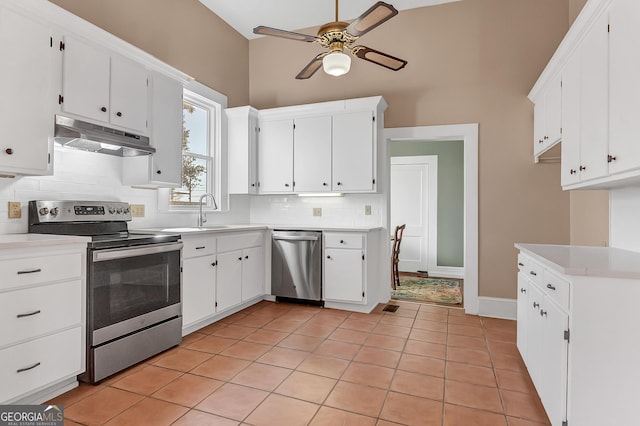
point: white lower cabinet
(220, 273)
(42, 321)
(344, 267)
(577, 332)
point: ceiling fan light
(336, 64)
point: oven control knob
(54, 211)
(126, 210)
(119, 210)
(112, 210)
(43, 211)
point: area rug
(429, 290)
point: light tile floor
(282, 364)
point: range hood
(79, 134)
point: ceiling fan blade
(374, 16)
(379, 58)
(311, 67)
(262, 30)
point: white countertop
(9, 241)
(186, 230)
(605, 262)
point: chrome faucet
(202, 218)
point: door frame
(455, 132)
(431, 161)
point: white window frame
(205, 97)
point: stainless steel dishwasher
(296, 265)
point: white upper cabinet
(312, 154)
(275, 159)
(353, 152)
(103, 86)
(570, 147)
(547, 114)
(242, 131)
(27, 94)
(624, 66)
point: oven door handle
(121, 253)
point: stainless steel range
(133, 282)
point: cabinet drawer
(39, 310)
(240, 241)
(351, 241)
(52, 358)
(198, 246)
(556, 288)
(37, 270)
(530, 268)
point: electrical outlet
(137, 210)
(15, 210)
(367, 210)
(317, 211)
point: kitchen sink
(194, 228)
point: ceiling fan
(338, 36)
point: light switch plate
(367, 210)
(317, 211)
(137, 210)
(15, 210)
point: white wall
(624, 218)
(81, 175)
(345, 211)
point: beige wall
(589, 209)
(183, 33)
(472, 61)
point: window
(201, 147)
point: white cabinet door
(523, 312)
(554, 362)
(252, 273)
(198, 289)
(129, 94)
(85, 80)
(594, 102)
(353, 152)
(229, 280)
(26, 94)
(242, 131)
(312, 154)
(343, 275)
(538, 124)
(535, 341)
(166, 131)
(553, 112)
(570, 147)
(624, 63)
(275, 156)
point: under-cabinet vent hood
(79, 134)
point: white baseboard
(496, 307)
(446, 272)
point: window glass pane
(195, 135)
(194, 182)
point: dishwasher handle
(295, 238)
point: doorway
(468, 133)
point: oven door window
(132, 286)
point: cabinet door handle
(29, 314)
(325, 184)
(546, 138)
(540, 141)
(240, 258)
(611, 158)
(341, 241)
(328, 257)
(9, 151)
(523, 290)
(533, 273)
(119, 114)
(103, 109)
(30, 271)
(543, 313)
(20, 370)
(159, 172)
(535, 304)
(520, 264)
(246, 257)
(549, 286)
(339, 183)
(572, 172)
(201, 247)
(582, 168)
(215, 263)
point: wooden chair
(395, 256)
